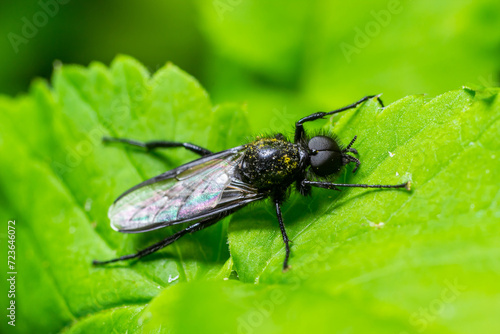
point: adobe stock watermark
(76, 154)
(250, 321)
(85, 147)
(490, 80)
(424, 316)
(372, 29)
(32, 25)
(224, 6)
(279, 117)
(11, 272)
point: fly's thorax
(270, 162)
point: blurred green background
(285, 58)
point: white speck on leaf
(377, 226)
(88, 204)
(171, 279)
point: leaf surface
(363, 260)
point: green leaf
(363, 260)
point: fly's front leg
(328, 185)
(283, 234)
(151, 145)
(299, 126)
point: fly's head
(327, 157)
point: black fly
(214, 186)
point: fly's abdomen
(270, 162)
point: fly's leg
(328, 185)
(165, 242)
(299, 126)
(349, 148)
(151, 145)
(283, 234)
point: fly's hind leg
(165, 242)
(151, 145)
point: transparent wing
(194, 191)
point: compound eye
(322, 143)
(324, 163)
(326, 158)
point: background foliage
(430, 267)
